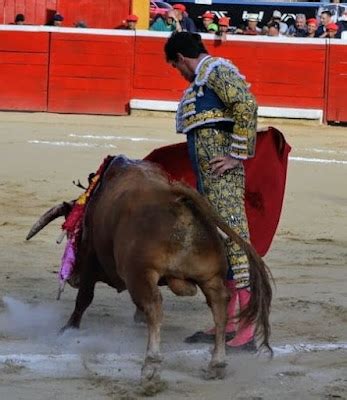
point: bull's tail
(258, 310)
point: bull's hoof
(215, 371)
(140, 317)
(151, 369)
(67, 327)
(151, 388)
(151, 382)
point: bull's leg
(139, 316)
(217, 298)
(84, 298)
(147, 297)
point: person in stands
(131, 21)
(57, 19)
(20, 19)
(252, 26)
(326, 18)
(166, 23)
(312, 26)
(207, 19)
(299, 29)
(332, 31)
(187, 24)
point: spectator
(57, 19)
(276, 17)
(187, 24)
(312, 26)
(166, 23)
(80, 24)
(131, 21)
(332, 31)
(212, 28)
(325, 19)
(223, 25)
(207, 19)
(273, 29)
(342, 23)
(252, 26)
(299, 29)
(19, 20)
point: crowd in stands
(177, 19)
(323, 27)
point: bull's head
(57, 211)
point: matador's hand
(221, 164)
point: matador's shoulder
(213, 65)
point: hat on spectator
(179, 7)
(252, 17)
(58, 17)
(213, 27)
(312, 21)
(132, 18)
(277, 14)
(332, 27)
(208, 15)
(224, 21)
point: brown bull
(139, 229)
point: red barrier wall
(100, 71)
(336, 110)
(96, 13)
(23, 70)
(281, 74)
(153, 78)
(90, 73)
(35, 11)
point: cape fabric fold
(265, 181)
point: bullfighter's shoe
(244, 339)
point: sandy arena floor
(40, 155)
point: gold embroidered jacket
(220, 94)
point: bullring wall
(99, 71)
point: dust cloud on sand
(40, 155)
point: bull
(140, 230)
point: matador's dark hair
(187, 43)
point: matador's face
(184, 67)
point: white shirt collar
(200, 64)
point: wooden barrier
(23, 70)
(101, 71)
(336, 97)
(96, 13)
(90, 74)
(285, 73)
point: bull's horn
(60, 210)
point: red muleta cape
(265, 181)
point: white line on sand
(111, 357)
(317, 160)
(328, 151)
(110, 137)
(108, 145)
(72, 144)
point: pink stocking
(245, 333)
